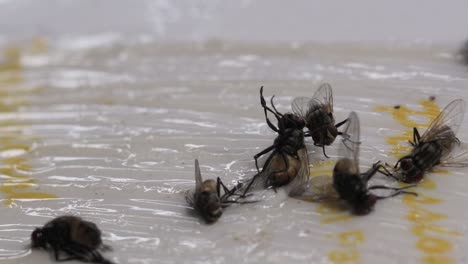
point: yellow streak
(17, 185)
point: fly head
(38, 240)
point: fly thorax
(426, 155)
(349, 186)
(297, 139)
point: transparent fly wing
(190, 197)
(190, 194)
(301, 105)
(349, 148)
(319, 188)
(457, 158)
(324, 96)
(301, 181)
(198, 177)
(256, 182)
(447, 123)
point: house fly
(317, 113)
(348, 184)
(434, 147)
(76, 238)
(288, 158)
(206, 198)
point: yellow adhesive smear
(431, 242)
(351, 238)
(344, 256)
(16, 185)
(437, 259)
(322, 168)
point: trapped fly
(348, 183)
(435, 147)
(206, 198)
(317, 113)
(71, 238)
(288, 158)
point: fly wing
(319, 188)
(198, 177)
(457, 158)
(301, 182)
(256, 182)
(190, 194)
(190, 197)
(324, 96)
(349, 149)
(450, 117)
(301, 105)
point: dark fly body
(288, 157)
(434, 147)
(347, 183)
(71, 238)
(317, 113)
(206, 198)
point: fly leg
(274, 107)
(263, 152)
(398, 191)
(267, 162)
(416, 137)
(323, 149)
(227, 193)
(320, 144)
(265, 109)
(340, 124)
(386, 172)
(219, 184)
(371, 172)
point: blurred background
(399, 21)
